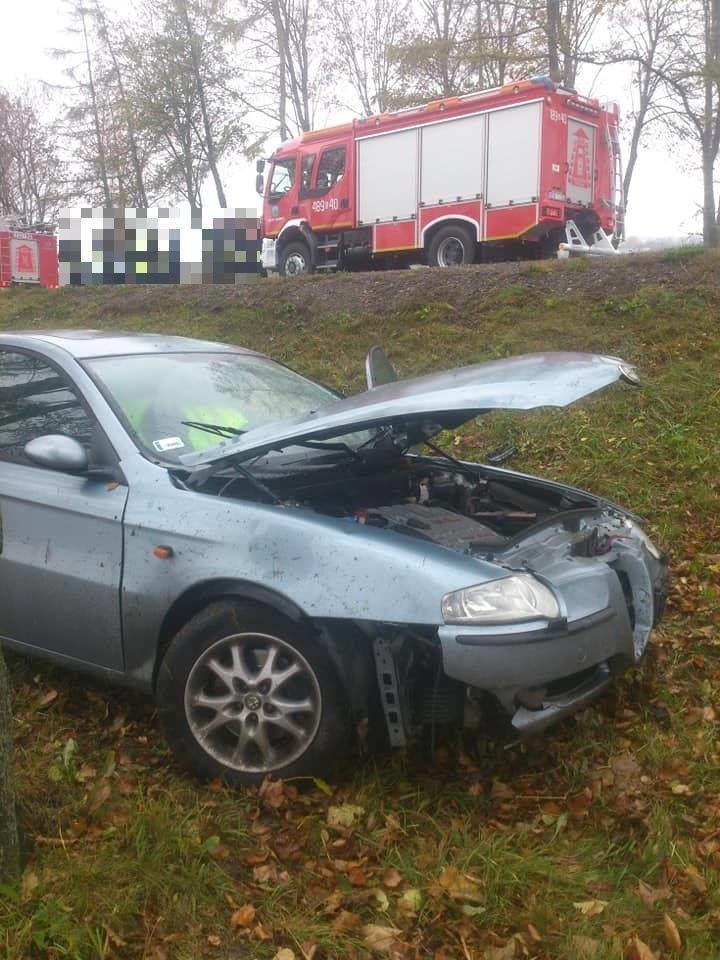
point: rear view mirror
(56, 452)
(259, 166)
(378, 369)
(259, 184)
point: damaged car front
(274, 562)
(549, 591)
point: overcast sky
(665, 194)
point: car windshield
(165, 398)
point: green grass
(126, 856)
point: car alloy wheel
(253, 702)
(244, 692)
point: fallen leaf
(344, 816)
(284, 953)
(345, 922)
(243, 916)
(265, 873)
(48, 698)
(672, 934)
(29, 883)
(357, 877)
(649, 894)
(214, 940)
(506, 952)
(680, 789)
(411, 900)
(590, 908)
(99, 796)
(638, 950)
(392, 878)
(113, 937)
(382, 899)
(272, 793)
(626, 773)
(460, 886)
(378, 938)
(696, 878)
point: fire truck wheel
(295, 259)
(451, 246)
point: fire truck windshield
(283, 177)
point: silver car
(273, 562)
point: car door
(60, 533)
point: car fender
(320, 567)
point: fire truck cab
(28, 253)
(493, 175)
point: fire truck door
(329, 199)
(281, 195)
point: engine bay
(466, 508)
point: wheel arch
(201, 595)
(348, 657)
(296, 230)
(431, 229)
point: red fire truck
(501, 174)
(28, 254)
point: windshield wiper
(217, 428)
(324, 445)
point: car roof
(86, 344)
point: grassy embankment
(576, 845)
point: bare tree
(566, 28)
(504, 45)
(364, 38)
(94, 126)
(692, 80)
(434, 63)
(203, 35)
(106, 33)
(9, 842)
(288, 65)
(32, 176)
(650, 43)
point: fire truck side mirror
(260, 184)
(259, 166)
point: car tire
(451, 246)
(243, 692)
(295, 259)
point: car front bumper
(540, 673)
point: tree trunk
(140, 191)
(9, 843)
(710, 227)
(200, 87)
(102, 163)
(553, 23)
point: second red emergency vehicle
(505, 173)
(28, 254)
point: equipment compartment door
(514, 155)
(388, 177)
(580, 161)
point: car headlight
(645, 540)
(510, 600)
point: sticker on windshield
(168, 443)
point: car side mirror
(378, 369)
(56, 452)
(260, 166)
(259, 184)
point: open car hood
(424, 406)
